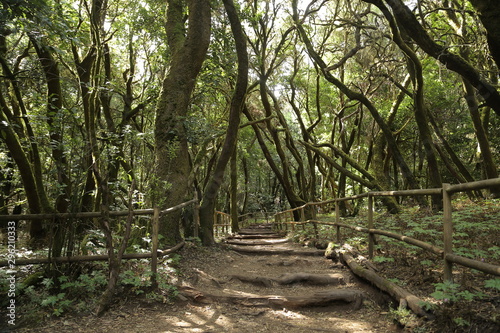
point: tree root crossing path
(261, 282)
(257, 281)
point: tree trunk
(23, 164)
(84, 70)
(171, 155)
(391, 142)
(230, 143)
(29, 170)
(416, 73)
(486, 156)
(369, 181)
(234, 192)
(54, 108)
(442, 53)
(489, 12)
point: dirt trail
(277, 287)
(249, 289)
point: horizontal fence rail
(88, 215)
(222, 221)
(156, 213)
(285, 218)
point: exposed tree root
(256, 231)
(257, 236)
(247, 299)
(201, 275)
(290, 278)
(256, 280)
(273, 251)
(257, 242)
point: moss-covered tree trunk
(237, 102)
(416, 73)
(489, 12)
(16, 127)
(391, 142)
(485, 153)
(234, 192)
(50, 68)
(188, 52)
(443, 53)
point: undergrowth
(472, 301)
(79, 290)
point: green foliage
(174, 260)
(427, 306)
(427, 262)
(68, 293)
(57, 303)
(449, 293)
(157, 190)
(460, 322)
(380, 259)
(134, 280)
(358, 242)
(493, 284)
(474, 226)
(401, 315)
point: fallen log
(247, 299)
(403, 296)
(290, 278)
(334, 255)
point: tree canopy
(301, 100)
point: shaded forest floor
(208, 276)
(220, 289)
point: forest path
(261, 282)
(257, 282)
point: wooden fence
(222, 222)
(285, 218)
(222, 226)
(154, 254)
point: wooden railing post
(337, 220)
(371, 236)
(447, 232)
(303, 216)
(154, 249)
(196, 215)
